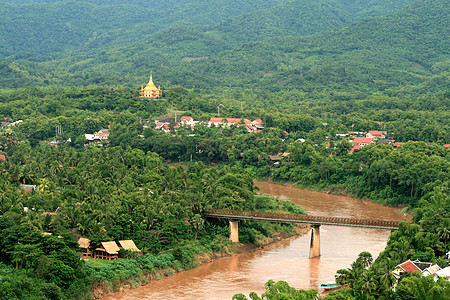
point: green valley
(348, 97)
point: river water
(286, 260)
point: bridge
(234, 216)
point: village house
(254, 126)
(361, 141)
(431, 270)
(445, 272)
(2, 157)
(129, 245)
(375, 134)
(397, 144)
(107, 250)
(164, 126)
(85, 245)
(27, 187)
(187, 120)
(97, 137)
(411, 266)
(425, 268)
(386, 142)
(354, 148)
(258, 124)
(227, 121)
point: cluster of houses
(7, 122)
(361, 139)
(252, 126)
(106, 250)
(97, 137)
(425, 268)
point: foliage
(281, 290)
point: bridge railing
(280, 217)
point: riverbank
(102, 289)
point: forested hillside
(33, 28)
(399, 54)
(302, 81)
(300, 17)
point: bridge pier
(234, 231)
(314, 247)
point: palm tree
(444, 232)
(388, 278)
(365, 259)
(369, 283)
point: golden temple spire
(150, 90)
(150, 84)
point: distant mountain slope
(55, 26)
(301, 17)
(31, 28)
(410, 48)
(397, 54)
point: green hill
(397, 54)
(301, 17)
(39, 27)
(32, 28)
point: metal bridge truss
(288, 218)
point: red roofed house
(362, 141)
(410, 266)
(187, 119)
(250, 128)
(396, 144)
(2, 157)
(447, 146)
(258, 123)
(227, 121)
(102, 135)
(99, 136)
(354, 148)
(375, 134)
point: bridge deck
(288, 218)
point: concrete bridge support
(314, 247)
(234, 231)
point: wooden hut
(85, 245)
(129, 245)
(107, 250)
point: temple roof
(150, 85)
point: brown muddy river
(287, 260)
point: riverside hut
(129, 245)
(85, 245)
(107, 250)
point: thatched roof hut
(85, 245)
(107, 250)
(129, 245)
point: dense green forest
(38, 27)
(310, 71)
